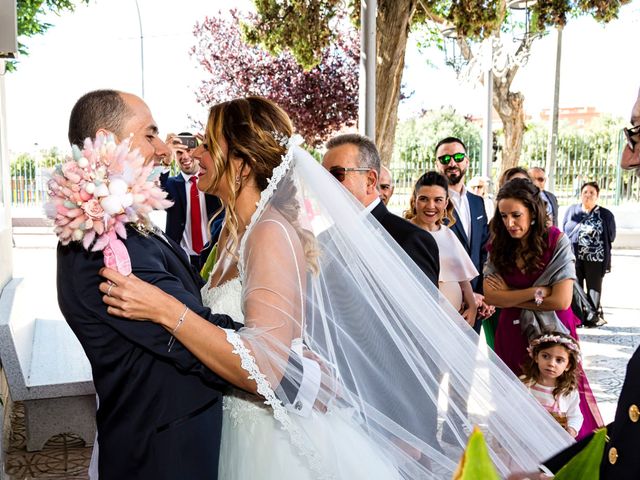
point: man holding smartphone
(188, 218)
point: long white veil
(404, 364)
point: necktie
(196, 219)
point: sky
(98, 46)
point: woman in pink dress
(521, 249)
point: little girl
(430, 205)
(551, 375)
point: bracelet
(538, 297)
(172, 340)
(181, 320)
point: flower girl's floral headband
(97, 191)
(566, 341)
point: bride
(330, 304)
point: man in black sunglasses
(471, 218)
(354, 160)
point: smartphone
(189, 141)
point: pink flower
(93, 209)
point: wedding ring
(109, 289)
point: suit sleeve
(560, 459)
(149, 265)
(423, 250)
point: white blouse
(455, 265)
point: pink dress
(511, 346)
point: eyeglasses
(457, 157)
(476, 187)
(341, 172)
(633, 136)
(539, 179)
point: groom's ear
(106, 133)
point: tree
(416, 140)
(320, 101)
(30, 23)
(284, 24)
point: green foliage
(476, 463)
(416, 138)
(303, 27)
(586, 464)
(30, 23)
(555, 12)
(24, 165)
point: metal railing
(579, 158)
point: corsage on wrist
(538, 296)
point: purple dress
(511, 345)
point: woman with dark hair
(530, 275)
(592, 230)
(429, 207)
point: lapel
(181, 193)
(459, 231)
(379, 212)
(179, 252)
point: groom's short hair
(368, 153)
(95, 110)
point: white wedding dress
(314, 271)
(255, 446)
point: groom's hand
(329, 387)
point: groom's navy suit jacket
(160, 412)
(476, 245)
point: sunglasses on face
(341, 172)
(457, 157)
(633, 136)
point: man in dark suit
(471, 225)
(160, 411)
(354, 160)
(192, 236)
(539, 177)
(620, 460)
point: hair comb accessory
(281, 138)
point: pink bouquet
(97, 191)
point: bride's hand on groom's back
(132, 298)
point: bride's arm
(271, 303)
(136, 299)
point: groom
(160, 411)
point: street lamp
(452, 55)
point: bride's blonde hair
(253, 128)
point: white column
(553, 128)
(487, 134)
(5, 190)
(367, 100)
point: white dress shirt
(461, 204)
(187, 243)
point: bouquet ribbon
(116, 255)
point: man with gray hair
(539, 178)
(354, 161)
